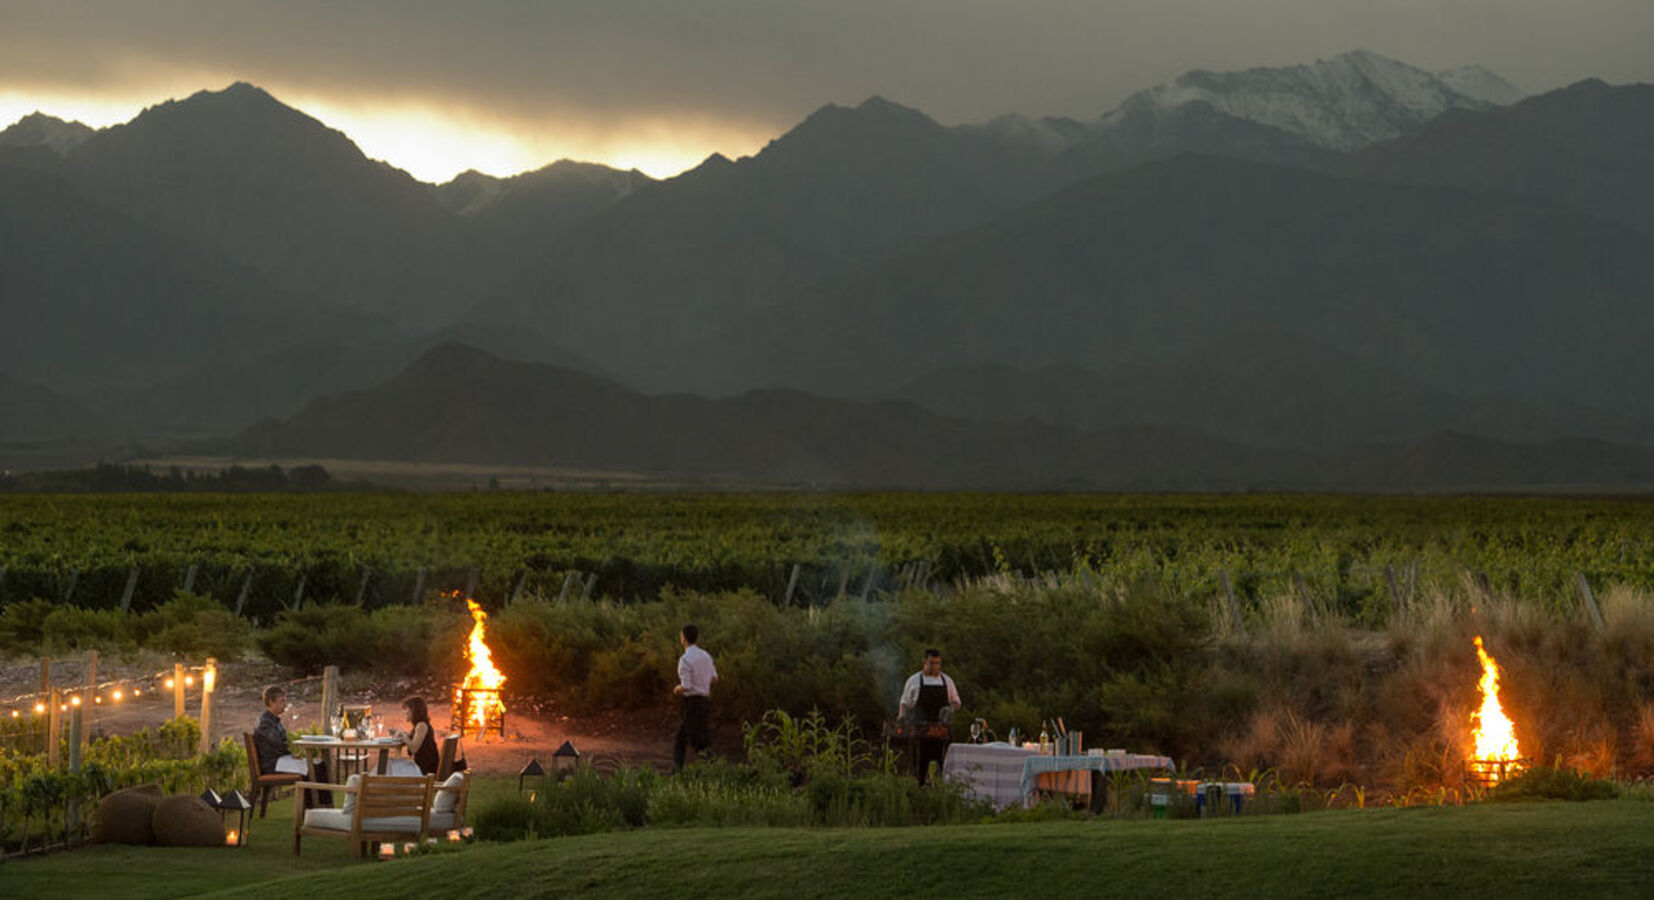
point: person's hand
(677, 690)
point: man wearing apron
(929, 697)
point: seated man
(270, 740)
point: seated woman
(423, 753)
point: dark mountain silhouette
(294, 201)
(229, 396)
(31, 414)
(49, 132)
(514, 220)
(90, 297)
(456, 404)
(1467, 294)
(678, 260)
(1589, 147)
(1266, 389)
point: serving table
(1011, 776)
(332, 747)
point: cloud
(754, 67)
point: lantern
(565, 760)
(532, 770)
(235, 834)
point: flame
(483, 674)
(1494, 734)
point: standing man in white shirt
(696, 673)
(928, 698)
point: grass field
(1508, 851)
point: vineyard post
(131, 586)
(419, 587)
(241, 600)
(74, 579)
(517, 592)
(54, 729)
(1590, 601)
(591, 584)
(90, 703)
(867, 586)
(792, 584)
(843, 580)
(1229, 597)
(568, 585)
(298, 593)
(177, 690)
(77, 734)
(209, 683)
(189, 577)
(330, 692)
(362, 589)
(471, 579)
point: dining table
(335, 748)
(1008, 775)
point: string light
(75, 700)
(169, 684)
(189, 681)
(118, 696)
(39, 708)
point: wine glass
(335, 724)
(976, 731)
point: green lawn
(1598, 849)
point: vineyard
(261, 554)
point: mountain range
(1269, 277)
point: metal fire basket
(1489, 772)
(461, 722)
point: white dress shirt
(696, 672)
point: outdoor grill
(471, 701)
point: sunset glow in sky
(505, 86)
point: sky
(505, 86)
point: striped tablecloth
(1006, 775)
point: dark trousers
(692, 731)
(931, 750)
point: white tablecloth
(1006, 775)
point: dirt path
(634, 738)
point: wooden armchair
(377, 808)
(264, 785)
(445, 762)
(448, 804)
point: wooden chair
(264, 785)
(448, 805)
(378, 808)
(445, 763)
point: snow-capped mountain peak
(1477, 82)
(1343, 103)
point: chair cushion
(441, 821)
(354, 781)
(447, 797)
(339, 820)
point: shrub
(73, 628)
(23, 626)
(193, 625)
(1547, 783)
